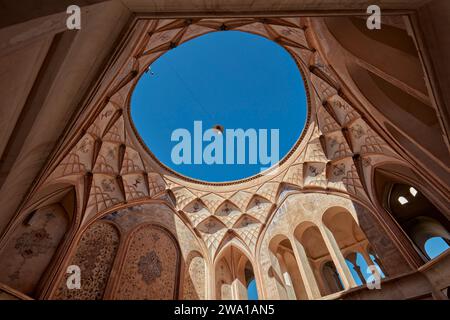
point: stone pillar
(239, 290)
(277, 275)
(211, 283)
(366, 256)
(319, 276)
(286, 279)
(308, 277)
(337, 257)
(360, 275)
(352, 258)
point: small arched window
(435, 246)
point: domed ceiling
(233, 80)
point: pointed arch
(35, 239)
(233, 271)
(285, 265)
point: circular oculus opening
(225, 82)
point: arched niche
(150, 266)
(224, 280)
(194, 287)
(94, 254)
(351, 240)
(401, 194)
(332, 279)
(312, 248)
(423, 228)
(287, 268)
(34, 240)
(345, 230)
(233, 274)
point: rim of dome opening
(152, 97)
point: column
(239, 290)
(367, 258)
(352, 258)
(277, 275)
(239, 283)
(308, 277)
(211, 282)
(337, 257)
(379, 263)
(286, 278)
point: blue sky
(435, 246)
(251, 290)
(231, 78)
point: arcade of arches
(357, 201)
